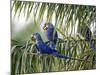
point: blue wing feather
(43, 48)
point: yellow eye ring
(33, 38)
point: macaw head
(48, 25)
(36, 37)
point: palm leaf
(69, 20)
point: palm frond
(71, 22)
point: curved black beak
(45, 26)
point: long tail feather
(56, 54)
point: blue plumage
(51, 34)
(45, 49)
(89, 39)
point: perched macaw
(89, 38)
(45, 49)
(51, 34)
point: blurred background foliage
(71, 22)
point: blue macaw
(45, 49)
(51, 34)
(89, 39)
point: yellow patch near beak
(45, 26)
(33, 37)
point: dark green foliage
(68, 18)
(25, 59)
